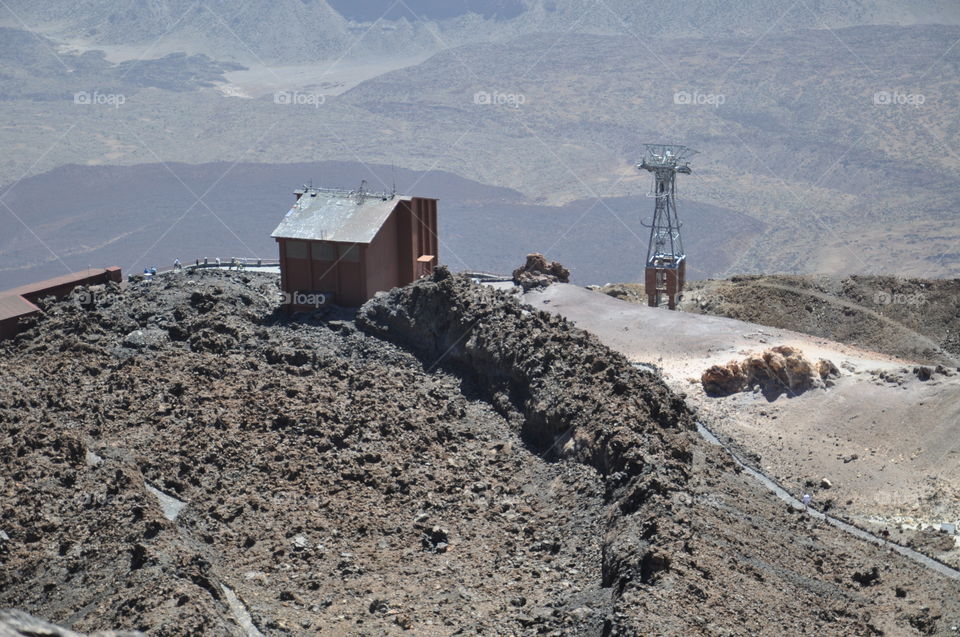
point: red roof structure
(17, 303)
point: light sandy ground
(327, 78)
(324, 77)
(888, 442)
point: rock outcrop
(781, 368)
(538, 273)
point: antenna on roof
(393, 170)
(361, 193)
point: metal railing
(233, 263)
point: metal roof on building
(14, 305)
(75, 278)
(336, 216)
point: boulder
(537, 272)
(723, 380)
(778, 368)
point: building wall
(382, 258)
(62, 285)
(295, 265)
(425, 211)
(324, 257)
(405, 242)
(417, 236)
(431, 243)
(351, 276)
(323, 266)
(10, 326)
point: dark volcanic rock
(574, 399)
(461, 464)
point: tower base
(664, 281)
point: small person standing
(806, 500)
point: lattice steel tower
(666, 260)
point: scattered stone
(143, 339)
(723, 380)
(867, 578)
(437, 540)
(345, 436)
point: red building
(349, 245)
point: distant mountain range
(827, 130)
(299, 31)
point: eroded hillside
(450, 460)
(915, 319)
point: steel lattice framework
(666, 260)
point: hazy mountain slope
(428, 9)
(839, 177)
(833, 178)
(756, 17)
(130, 216)
(293, 31)
(32, 69)
(243, 30)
